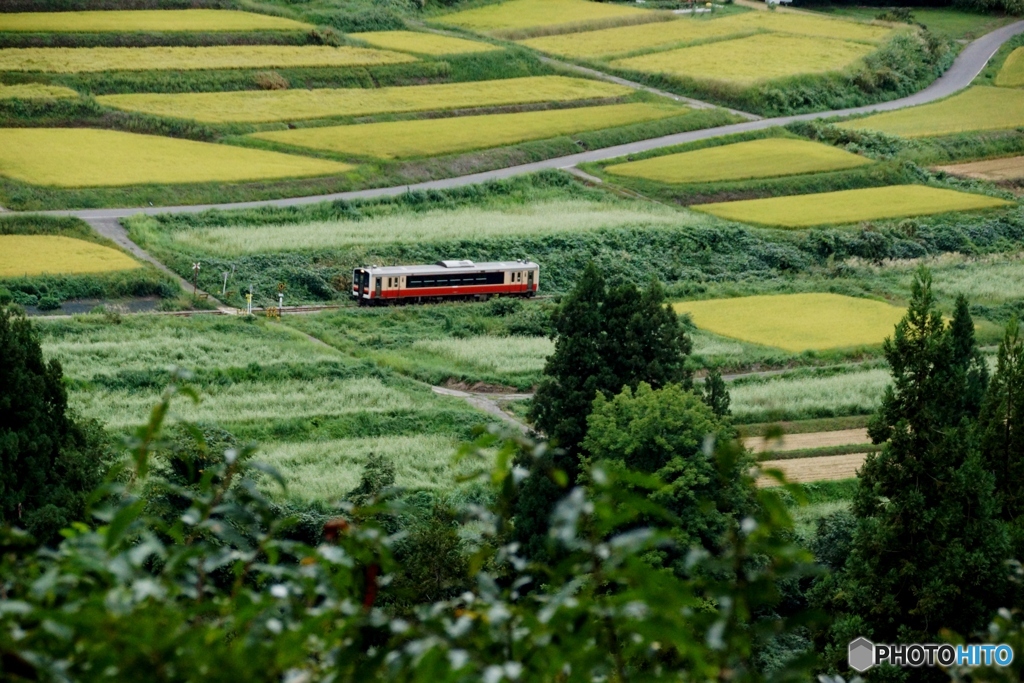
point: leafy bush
(270, 80)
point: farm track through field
(826, 468)
(965, 68)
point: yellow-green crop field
(976, 109)
(87, 59)
(1012, 73)
(519, 14)
(145, 20)
(28, 255)
(254, 106)
(35, 91)
(754, 159)
(757, 58)
(995, 170)
(423, 43)
(402, 139)
(796, 322)
(850, 206)
(650, 37)
(83, 157)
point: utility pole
(195, 279)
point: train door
(376, 287)
(529, 281)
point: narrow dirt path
(800, 442)
(487, 404)
(825, 468)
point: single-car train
(379, 285)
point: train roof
(449, 267)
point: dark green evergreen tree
(1002, 430)
(48, 462)
(929, 551)
(716, 394)
(967, 358)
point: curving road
(967, 66)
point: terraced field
(30, 255)
(523, 14)
(423, 43)
(766, 158)
(979, 108)
(652, 37)
(114, 21)
(747, 64)
(850, 206)
(255, 106)
(95, 59)
(1012, 73)
(407, 139)
(996, 170)
(796, 322)
(81, 157)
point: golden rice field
(754, 159)
(650, 37)
(754, 59)
(1012, 73)
(850, 206)
(35, 91)
(255, 106)
(992, 169)
(145, 20)
(28, 255)
(423, 43)
(88, 59)
(519, 14)
(976, 109)
(431, 137)
(796, 322)
(83, 157)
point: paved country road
(967, 66)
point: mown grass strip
(654, 36)
(257, 106)
(520, 14)
(93, 59)
(29, 255)
(754, 59)
(977, 109)
(796, 322)
(123, 21)
(35, 91)
(1012, 73)
(80, 157)
(422, 43)
(850, 206)
(404, 139)
(767, 158)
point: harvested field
(423, 43)
(521, 14)
(754, 159)
(116, 21)
(796, 322)
(747, 63)
(35, 91)
(1012, 73)
(801, 442)
(256, 106)
(995, 170)
(28, 255)
(975, 109)
(826, 468)
(651, 37)
(404, 139)
(82, 157)
(850, 206)
(91, 59)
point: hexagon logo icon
(861, 655)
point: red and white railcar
(376, 285)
